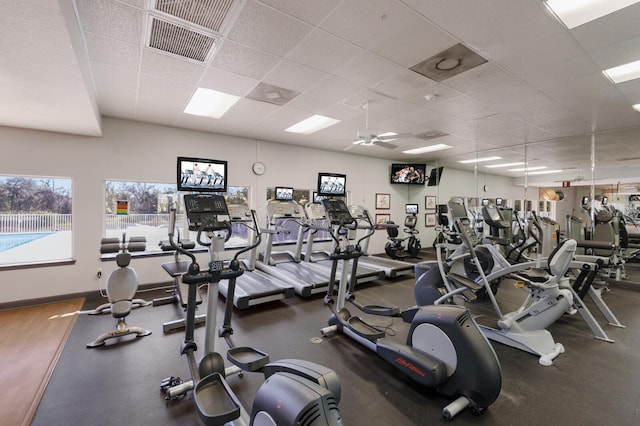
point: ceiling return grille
(190, 28)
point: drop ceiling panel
(335, 88)
(227, 82)
(265, 29)
(619, 54)
(403, 84)
(116, 89)
(366, 22)
(598, 34)
(367, 69)
(323, 51)
(464, 107)
(111, 19)
(414, 42)
(235, 58)
(113, 52)
(293, 76)
(311, 11)
(158, 64)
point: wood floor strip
(24, 373)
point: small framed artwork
(430, 202)
(382, 218)
(383, 201)
(429, 220)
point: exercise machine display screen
(337, 211)
(411, 209)
(208, 210)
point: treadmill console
(337, 211)
(206, 211)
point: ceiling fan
(369, 138)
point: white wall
(143, 152)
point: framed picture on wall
(430, 202)
(382, 218)
(383, 201)
(429, 220)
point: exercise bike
(444, 350)
(293, 388)
(395, 247)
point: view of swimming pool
(9, 241)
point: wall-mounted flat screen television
(412, 174)
(411, 209)
(332, 185)
(284, 193)
(434, 176)
(201, 175)
(585, 201)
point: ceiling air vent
(190, 28)
(181, 41)
(211, 14)
(452, 61)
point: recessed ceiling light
(574, 13)
(479, 160)
(312, 124)
(636, 107)
(493, 166)
(522, 169)
(210, 103)
(625, 72)
(431, 148)
(545, 172)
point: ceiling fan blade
(393, 137)
(385, 144)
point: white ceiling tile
(293, 76)
(263, 28)
(227, 82)
(618, 54)
(323, 51)
(173, 97)
(463, 107)
(403, 84)
(111, 19)
(335, 88)
(366, 22)
(311, 11)
(113, 52)
(171, 68)
(598, 34)
(116, 89)
(244, 61)
(414, 42)
(367, 69)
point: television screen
(585, 201)
(434, 176)
(499, 201)
(485, 201)
(284, 193)
(201, 175)
(411, 208)
(408, 173)
(332, 185)
(605, 201)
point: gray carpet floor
(592, 383)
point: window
(35, 220)
(141, 209)
(300, 196)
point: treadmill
(306, 278)
(392, 268)
(317, 221)
(253, 287)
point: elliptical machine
(395, 247)
(445, 349)
(292, 388)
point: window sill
(42, 264)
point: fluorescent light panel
(210, 103)
(522, 169)
(431, 148)
(625, 72)
(636, 107)
(574, 13)
(479, 160)
(493, 166)
(312, 124)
